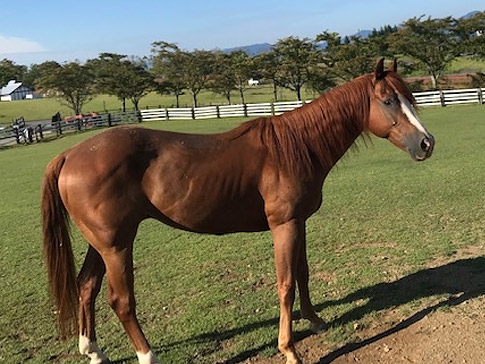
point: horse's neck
(339, 119)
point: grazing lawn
(208, 299)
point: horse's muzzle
(426, 146)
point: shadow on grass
(463, 279)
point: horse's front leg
(306, 307)
(287, 238)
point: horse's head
(392, 114)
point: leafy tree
(351, 58)
(10, 71)
(36, 72)
(298, 60)
(198, 67)
(72, 83)
(472, 34)
(168, 69)
(432, 43)
(267, 68)
(121, 77)
(136, 80)
(107, 70)
(243, 69)
(223, 80)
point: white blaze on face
(89, 348)
(408, 110)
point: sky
(64, 31)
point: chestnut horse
(265, 174)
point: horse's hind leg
(89, 283)
(119, 270)
(302, 277)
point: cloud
(15, 45)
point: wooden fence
(428, 98)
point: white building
(15, 91)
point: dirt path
(447, 330)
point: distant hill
(470, 14)
(255, 49)
(252, 49)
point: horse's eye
(389, 102)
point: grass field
(206, 299)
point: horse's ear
(394, 66)
(379, 72)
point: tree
(223, 80)
(432, 43)
(167, 69)
(119, 76)
(136, 80)
(243, 69)
(10, 71)
(107, 70)
(197, 69)
(298, 61)
(267, 68)
(71, 82)
(472, 34)
(36, 72)
(351, 58)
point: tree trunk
(194, 99)
(123, 103)
(434, 81)
(241, 93)
(177, 101)
(275, 91)
(298, 92)
(228, 97)
(135, 103)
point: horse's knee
(122, 305)
(286, 293)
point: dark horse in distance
(265, 174)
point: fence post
(480, 96)
(110, 123)
(245, 107)
(17, 134)
(167, 114)
(272, 109)
(218, 112)
(138, 116)
(193, 113)
(442, 98)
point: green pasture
(385, 220)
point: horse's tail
(57, 250)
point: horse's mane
(322, 130)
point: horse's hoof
(318, 326)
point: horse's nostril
(425, 144)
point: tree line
(294, 63)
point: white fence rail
(428, 98)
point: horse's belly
(219, 216)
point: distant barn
(16, 91)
